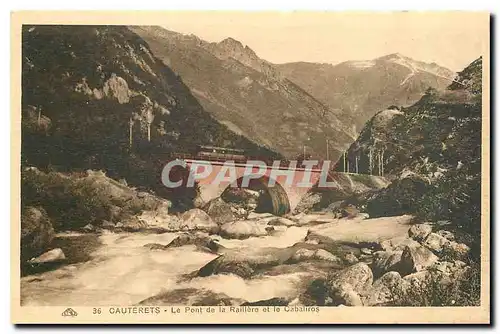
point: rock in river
(244, 229)
(192, 297)
(54, 255)
(318, 254)
(198, 220)
(219, 211)
(36, 232)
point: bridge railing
(284, 163)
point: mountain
(95, 97)
(250, 96)
(432, 150)
(362, 88)
(442, 128)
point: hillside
(361, 88)
(95, 97)
(432, 131)
(249, 95)
(432, 150)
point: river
(116, 269)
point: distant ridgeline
(441, 132)
(94, 97)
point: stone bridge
(285, 186)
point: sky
(450, 39)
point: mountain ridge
(249, 95)
(363, 87)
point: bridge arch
(273, 199)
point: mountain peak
(393, 56)
(231, 41)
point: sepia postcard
(250, 167)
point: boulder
(366, 251)
(219, 211)
(384, 261)
(455, 269)
(107, 224)
(363, 215)
(325, 255)
(435, 242)
(245, 229)
(310, 254)
(344, 294)
(227, 265)
(155, 246)
(456, 250)
(242, 196)
(115, 212)
(312, 219)
(419, 279)
(54, 255)
(350, 258)
(200, 239)
(134, 224)
(349, 212)
(419, 232)
(36, 232)
(261, 216)
(88, 228)
(358, 230)
(243, 262)
(416, 258)
(386, 289)
(302, 254)
(316, 294)
(446, 234)
(398, 244)
(280, 221)
(308, 202)
(198, 220)
(359, 276)
(192, 297)
(239, 212)
(276, 301)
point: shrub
(70, 203)
(465, 291)
(73, 201)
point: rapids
(118, 270)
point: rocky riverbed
(190, 259)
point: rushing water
(116, 269)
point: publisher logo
(69, 312)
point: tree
(370, 161)
(131, 124)
(149, 119)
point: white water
(124, 272)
